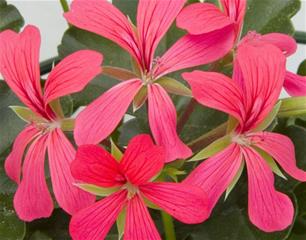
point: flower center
(241, 139)
(47, 126)
(132, 190)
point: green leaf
(212, 149)
(115, 151)
(118, 73)
(121, 223)
(270, 16)
(11, 228)
(234, 181)
(269, 119)
(292, 107)
(96, 190)
(140, 98)
(272, 164)
(10, 18)
(10, 124)
(26, 114)
(173, 86)
(67, 124)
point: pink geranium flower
(19, 65)
(131, 181)
(154, 18)
(259, 71)
(199, 18)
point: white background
(47, 15)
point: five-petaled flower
(131, 181)
(154, 18)
(199, 18)
(19, 65)
(258, 75)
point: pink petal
(284, 42)
(139, 224)
(19, 65)
(32, 199)
(217, 91)
(259, 69)
(14, 160)
(142, 160)
(162, 119)
(215, 174)
(154, 18)
(193, 50)
(103, 18)
(269, 209)
(103, 115)
(281, 148)
(201, 18)
(61, 153)
(235, 9)
(295, 85)
(72, 74)
(96, 166)
(95, 221)
(187, 203)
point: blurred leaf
(55, 227)
(302, 68)
(11, 228)
(232, 223)
(10, 17)
(270, 16)
(38, 235)
(7, 186)
(10, 124)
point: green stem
(64, 5)
(168, 226)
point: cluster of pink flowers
(259, 74)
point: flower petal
(95, 221)
(154, 18)
(14, 160)
(139, 224)
(217, 91)
(187, 203)
(216, 173)
(32, 199)
(269, 209)
(284, 42)
(281, 148)
(295, 84)
(72, 74)
(162, 119)
(19, 65)
(102, 116)
(259, 69)
(201, 18)
(96, 166)
(193, 50)
(235, 9)
(103, 18)
(61, 153)
(142, 160)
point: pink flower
(19, 65)
(259, 71)
(199, 18)
(154, 18)
(131, 180)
